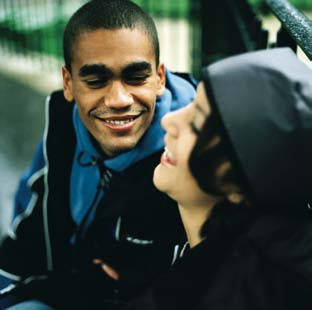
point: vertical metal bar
(7, 31)
(41, 38)
(46, 33)
(11, 27)
(2, 29)
(58, 34)
(196, 53)
(28, 41)
(50, 33)
(41, 11)
(18, 28)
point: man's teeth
(119, 122)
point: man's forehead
(95, 47)
(87, 34)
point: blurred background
(192, 33)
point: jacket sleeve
(24, 193)
(23, 204)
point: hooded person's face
(172, 176)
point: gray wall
(21, 126)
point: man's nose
(117, 96)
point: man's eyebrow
(95, 69)
(137, 67)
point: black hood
(264, 101)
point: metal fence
(296, 28)
(192, 32)
(235, 26)
(33, 29)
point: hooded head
(262, 110)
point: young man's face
(114, 82)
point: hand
(111, 272)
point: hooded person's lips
(167, 158)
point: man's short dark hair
(107, 14)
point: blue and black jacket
(74, 205)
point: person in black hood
(238, 162)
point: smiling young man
(88, 196)
(114, 81)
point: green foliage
(166, 8)
(45, 39)
(23, 31)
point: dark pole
(296, 24)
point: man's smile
(119, 123)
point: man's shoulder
(60, 132)
(57, 98)
(182, 87)
(183, 78)
(188, 77)
(58, 108)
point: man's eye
(95, 83)
(136, 79)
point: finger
(110, 272)
(97, 261)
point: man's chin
(117, 149)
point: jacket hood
(85, 175)
(264, 101)
(178, 93)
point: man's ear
(67, 84)
(161, 79)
